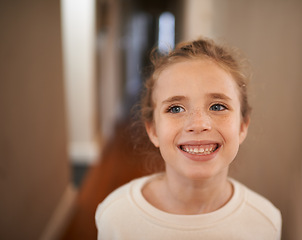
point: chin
(205, 173)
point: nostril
(200, 127)
(198, 121)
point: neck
(191, 196)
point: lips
(199, 149)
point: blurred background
(70, 72)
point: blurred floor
(119, 165)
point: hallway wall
(34, 168)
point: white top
(126, 214)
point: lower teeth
(199, 153)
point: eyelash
(220, 105)
(181, 109)
(170, 109)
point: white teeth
(201, 150)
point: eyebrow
(220, 96)
(174, 99)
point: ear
(243, 130)
(151, 131)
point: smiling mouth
(199, 149)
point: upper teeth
(199, 149)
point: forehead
(197, 77)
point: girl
(196, 112)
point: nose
(198, 121)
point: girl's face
(197, 120)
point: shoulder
(261, 207)
(118, 210)
(117, 195)
(118, 199)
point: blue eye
(217, 107)
(175, 109)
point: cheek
(164, 131)
(167, 130)
(230, 128)
(231, 136)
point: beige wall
(79, 54)
(270, 34)
(34, 169)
